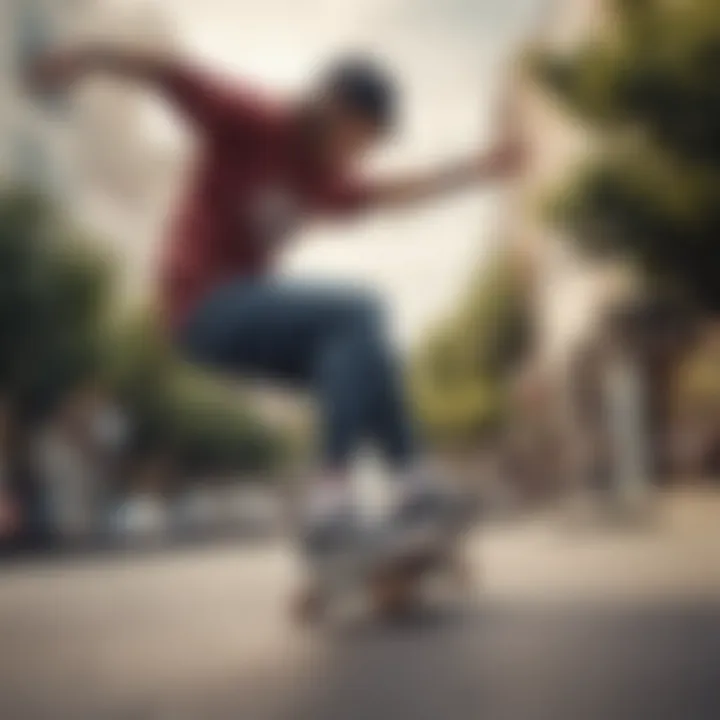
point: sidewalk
(692, 511)
(676, 555)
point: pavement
(565, 625)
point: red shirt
(252, 186)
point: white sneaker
(427, 511)
(331, 522)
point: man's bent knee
(363, 313)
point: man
(264, 168)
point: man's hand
(505, 160)
(57, 71)
(509, 155)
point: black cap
(365, 88)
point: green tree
(188, 414)
(461, 373)
(57, 328)
(647, 88)
(54, 297)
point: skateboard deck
(391, 586)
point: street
(566, 626)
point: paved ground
(567, 627)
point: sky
(450, 58)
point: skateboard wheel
(307, 607)
(393, 597)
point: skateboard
(392, 586)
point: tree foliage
(57, 328)
(54, 296)
(462, 371)
(185, 413)
(647, 89)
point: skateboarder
(263, 169)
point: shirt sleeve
(209, 102)
(346, 197)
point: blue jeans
(330, 340)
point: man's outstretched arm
(204, 100)
(500, 163)
(504, 160)
(58, 70)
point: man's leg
(332, 341)
(390, 425)
(329, 340)
(367, 373)
(424, 506)
(321, 338)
